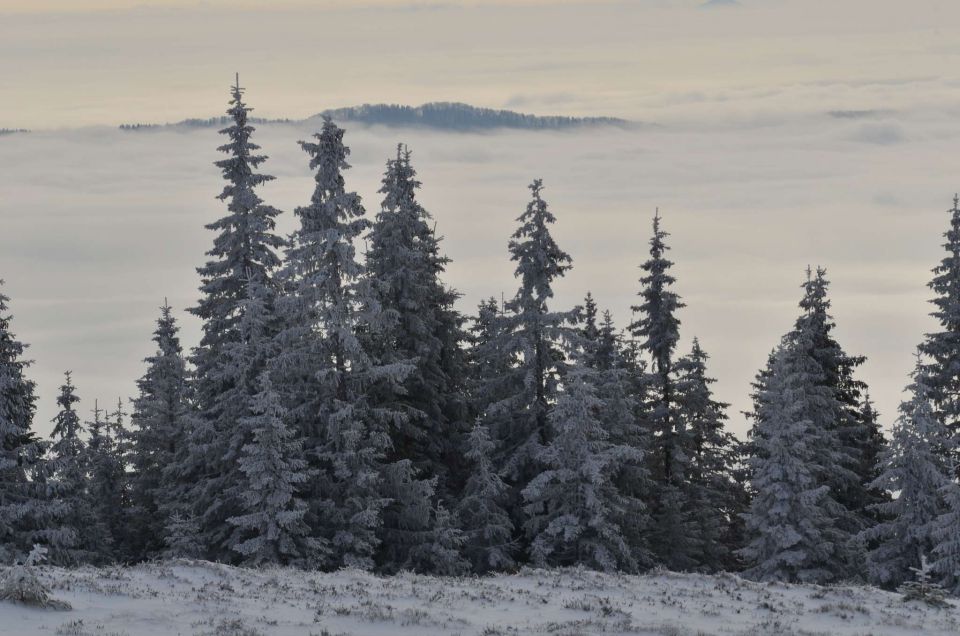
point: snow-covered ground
(205, 598)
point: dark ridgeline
(452, 116)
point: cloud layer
(100, 225)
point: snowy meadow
(184, 597)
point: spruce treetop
(946, 281)
(17, 393)
(539, 259)
(245, 244)
(590, 331)
(238, 169)
(658, 325)
(66, 424)
(331, 206)
(943, 346)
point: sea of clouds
(100, 225)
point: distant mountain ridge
(459, 116)
(438, 115)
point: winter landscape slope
(193, 597)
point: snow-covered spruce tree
(243, 252)
(946, 535)
(272, 517)
(162, 415)
(943, 346)
(418, 323)
(791, 523)
(352, 455)
(573, 506)
(871, 451)
(105, 490)
(256, 415)
(407, 519)
(914, 467)
(657, 329)
(416, 533)
(714, 497)
(487, 364)
(181, 534)
(325, 368)
(516, 404)
(190, 476)
(67, 483)
(319, 277)
(244, 248)
(487, 527)
(923, 588)
(24, 511)
(589, 331)
(210, 482)
(850, 473)
(443, 554)
(638, 481)
(619, 414)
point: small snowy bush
(21, 585)
(923, 589)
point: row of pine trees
(339, 411)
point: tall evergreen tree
(791, 525)
(847, 433)
(25, 514)
(850, 476)
(319, 280)
(244, 248)
(161, 419)
(915, 468)
(119, 441)
(943, 346)
(657, 330)
(324, 366)
(68, 482)
(420, 323)
(242, 258)
(528, 335)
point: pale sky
(754, 177)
